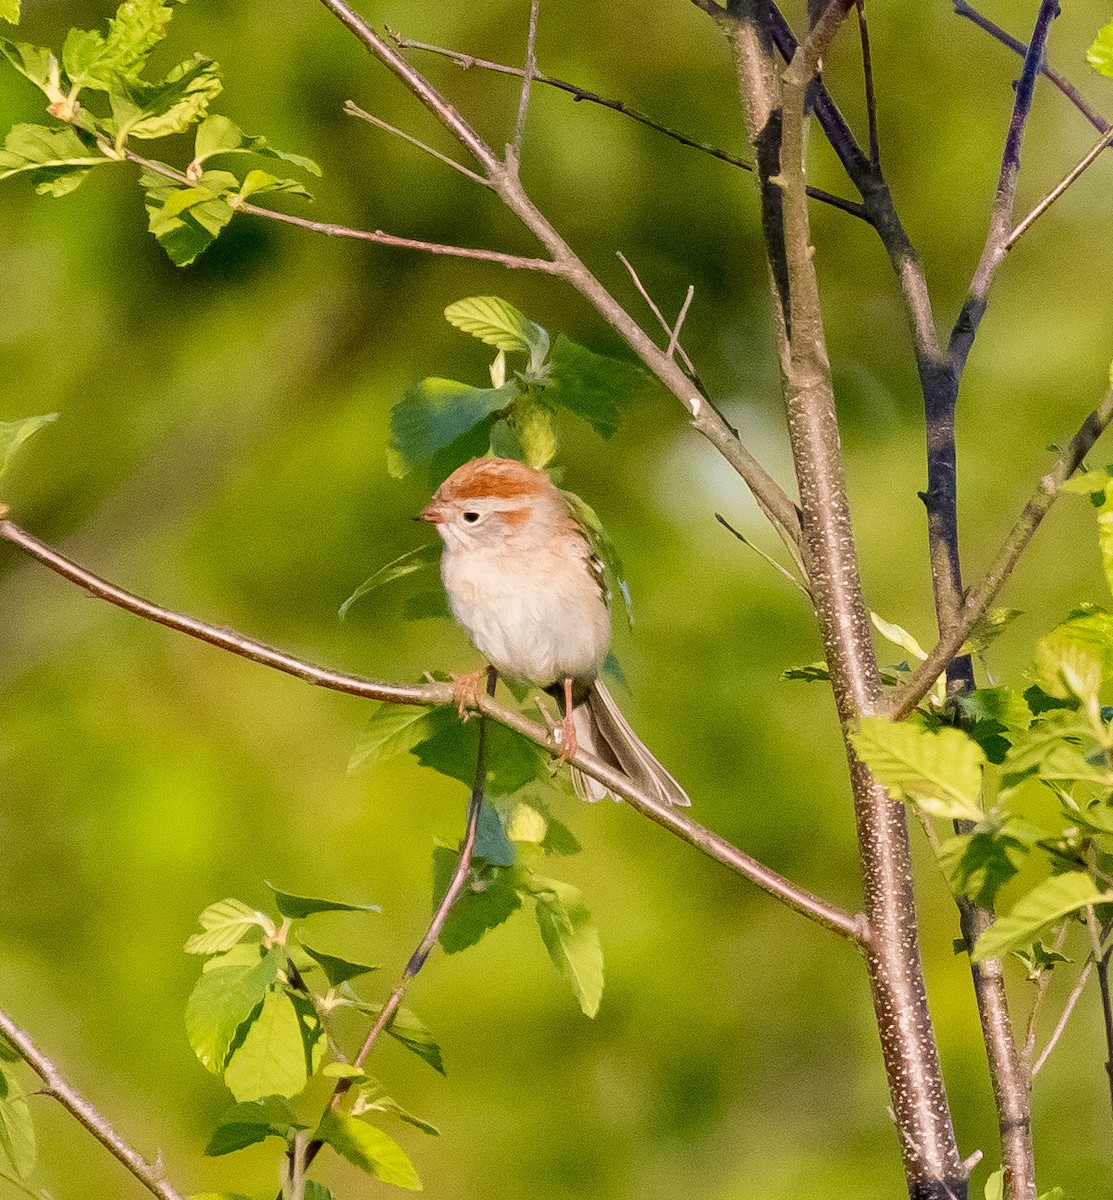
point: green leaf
(337, 970)
(899, 637)
(1100, 53)
(1056, 749)
(222, 1002)
(172, 106)
(484, 904)
(1057, 896)
(810, 673)
(219, 135)
(103, 62)
(250, 1122)
(408, 1028)
(1073, 659)
(498, 324)
(595, 387)
(491, 843)
(13, 434)
(58, 158)
(393, 729)
(187, 220)
(979, 864)
(995, 1186)
(294, 907)
(225, 924)
(9, 11)
(436, 414)
(258, 183)
(450, 747)
(371, 1097)
(941, 771)
(1039, 958)
(397, 568)
(571, 938)
(17, 1133)
(1001, 704)
(369, 1149)
(35, 63)
(282, 1047)
(316, 1191)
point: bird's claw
(465, 692)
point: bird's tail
(602, 730)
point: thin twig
(1102, 143)
(150, 1175)
(1043, 983)
(354, 110)
(981, 597)
(418, 958)
(467, 61)
(643, 291)
(529, 73)
(867, 76)
(761, 554)
(440, 695)
(1064, 1017)
(510, 261)
(1059, 81)
(674, 337)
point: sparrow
(523, 581)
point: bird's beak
(432, 512)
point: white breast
(542, 621)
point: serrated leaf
(941, 771)
(337, 970)
(101, 61)
(225, 924)
(218, 135)
(250, 1122)
(1100, 53)
(436, 414)
(597, 388)
(369, 1149)
(172, 106)
(979, 864)
(282, 1047)
(187, 220)
(450, 747)
(484, 904)
(294, 907)
(1073, 659)
(58, 159)
(13, 435)
(1001, 704)
(397, 568)
(988, 628)
(1056, 897)
(9, 11)
(1056, 749)
(497, 323)
(222, 1002)
(571, 938)
(17, 1133)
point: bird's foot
(465, 692)
(565, 733)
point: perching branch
(440, 695)
(980, 598)
(150, 1175)
(529, 73)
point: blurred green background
(221, 450)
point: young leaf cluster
(515, 834)
(102, 101)
(18, 1147)
(259, 1018)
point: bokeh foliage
(222, 449)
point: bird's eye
(471, 517)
